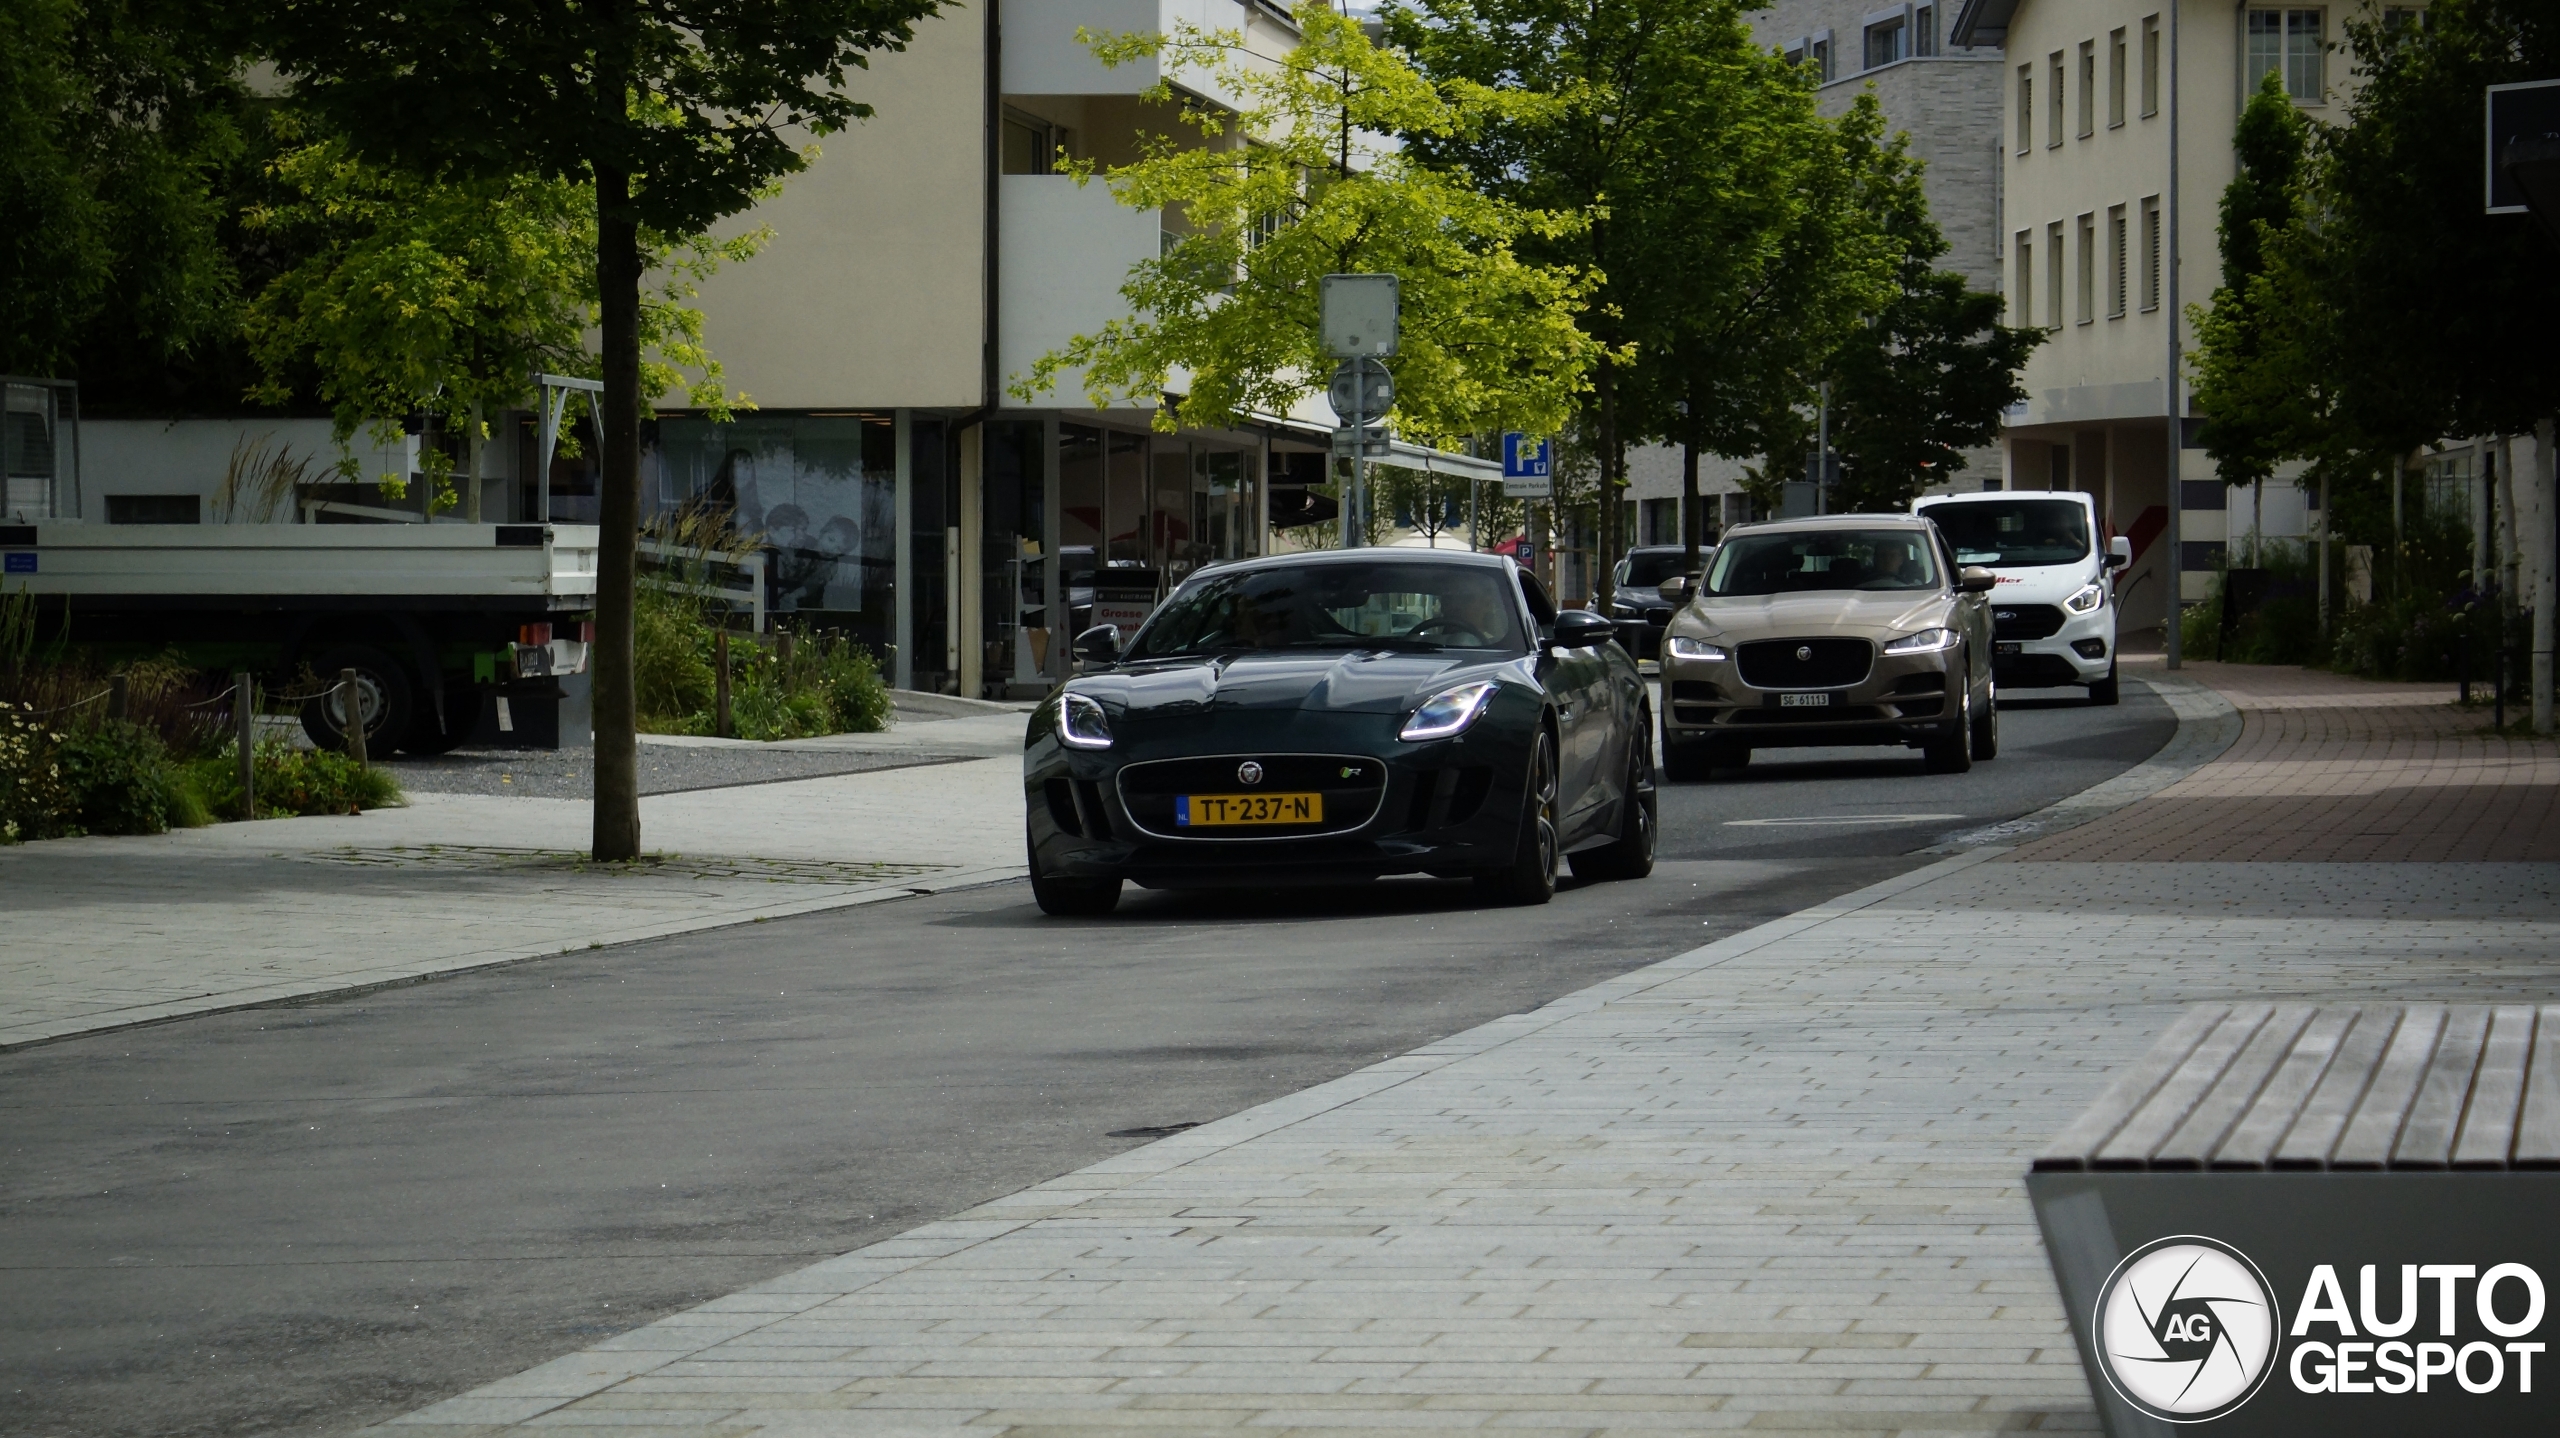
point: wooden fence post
(244, 715)
(119, 697)
(352, 724)
(721, 724)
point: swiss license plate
(2010, 648)
(1804, 701)
(1213, 811)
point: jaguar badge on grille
(1248, 772)
(1804, 653)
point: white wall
(1067, 250)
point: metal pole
(1822, 454)
(2173, 553)
(244, 722)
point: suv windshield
(1823, 559)
(1332, 605)
(2014, 533)
(1648, 567)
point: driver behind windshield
(1797, 562)
(1335, 605)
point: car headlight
(1082, 724)
(1927, 641)
(1684, 647)
(2089, 597)
(1448, 712)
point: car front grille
(2025, 621)
(1353, 786)
(1805, 663)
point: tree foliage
(1297, 182)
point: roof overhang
(1982, 22)
(1399, 453)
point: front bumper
(2081, 651)
(1903, 699)
(1447, 808)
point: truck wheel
(383, 693)
(461, 716)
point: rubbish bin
(2299, 1219)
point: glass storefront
(820, 489)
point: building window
(2151, 253)
(2053, 104)
(2026, 108)
(2088, 236)
(2289, 41)
(1819, 47)
(2053, 275)
(2118, 260)
(2088, 88)
(1924, 30)
(1033, 146)
(2022, 311)
(1888, 42)
(2150, 65)
(2115, 79)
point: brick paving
(2330, 769)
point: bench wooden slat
(2314, 1136)
(2435, 1114)
(2375, 1130)
(2497, 1093)
(2131, 1090)
(2151, 1125)
(2538, 1128)
(2222, 1105)
(2252, 1143)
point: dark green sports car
(1318, 718)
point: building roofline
(1982, 22)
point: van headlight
(1448, 712)
(2089, 597)
(1684, 647)
(1082, 724)
(1927, 641)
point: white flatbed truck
(436, 619)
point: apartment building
(1943, 94)
(2105, 248)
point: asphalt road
(299, 1220)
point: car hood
(1359, 681)
(1871, 613)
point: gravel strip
(664, 769)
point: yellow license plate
(1212, 811)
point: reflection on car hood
(1854, 611)
(1360, 681)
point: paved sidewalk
(104, 933)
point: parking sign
(1528, 468)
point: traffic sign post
(1528, 467)
(1360, 324)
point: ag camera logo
(2186, 1328)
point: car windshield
(1649, 567)
(1822, 559)
(2014, 533)
(1384, 604)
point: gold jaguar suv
(1846, 629)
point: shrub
(828, 686)
(122, 781)
(35, 803)
(291, 782)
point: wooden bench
(2297, 1155)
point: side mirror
(1974, 579)
(2119, 552)
(1101, 644)
(1675, 589)
(1582, 629)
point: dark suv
(1640, 610)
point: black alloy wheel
(1530, 877)
(1954, 753)
(382, 696)
(1631, 857)
(1073, 898)
(1986, 728)
(2104, 691)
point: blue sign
(18, 564)
(1523, 458)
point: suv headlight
(1448, 712)
(1684, 647)
(1927, 641)
(2089, 597)
(1082, 724)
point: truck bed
(355, 566)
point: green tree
(1926, 374)
(678, 115)
(445, 296)
(2248, 336)
(1292, 185)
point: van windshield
(2014, 533)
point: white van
(2053, 614)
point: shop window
(822, 492)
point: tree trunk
(617, 804)
(471, 447)
(1604, 549)
(1689, 515)
(2540, 539)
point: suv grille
(2025, 621)
(1353, 786)
(1827, 663)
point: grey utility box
(2295, 1219)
